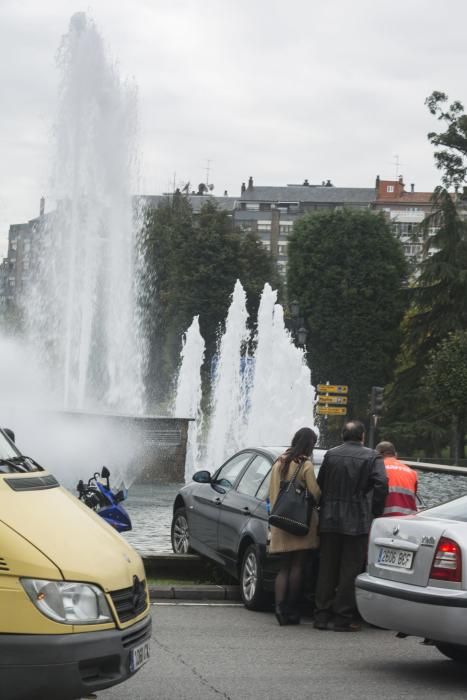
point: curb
(168, 565)
(201, 592)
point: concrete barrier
(200, 592)
(186, 567)
(440, 468)
(168, 565)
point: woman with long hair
(293, 548)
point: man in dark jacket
(353, 486)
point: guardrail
(440, 468)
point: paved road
(214, 652)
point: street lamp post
(296, 324)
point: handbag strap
(292, 480)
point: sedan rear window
(453, 510)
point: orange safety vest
(402, 485)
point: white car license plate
(139, 655)
(399, 558)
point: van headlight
(68, 602)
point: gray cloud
(280, 91)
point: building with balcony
(272, 211)
(406, 211)
(17, 267)
(269, 211)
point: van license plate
(139, 655)
(399, 558)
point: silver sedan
(416, 579)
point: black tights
(288, 585)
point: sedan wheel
(251, 579)
(180, 532)
(456, 652)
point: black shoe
(293, 618)
(281, 617)
(347, 627)
(321, 625)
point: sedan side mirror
(202, 477)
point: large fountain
(229, 392)
(189, 393)
(81, 313)
(261, 390)
(82, 346)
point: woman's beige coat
(282, 541)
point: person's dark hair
(386, 448)
(302, 446)
(353, 430)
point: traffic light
(377, 400)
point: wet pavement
(150, 508)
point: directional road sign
(333, 388)
(331, 410)
(342, 400)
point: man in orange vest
(402, 483)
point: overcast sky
(281, 91)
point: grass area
(213, 575)
(172, 582)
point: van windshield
(11, 459)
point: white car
(416, 579)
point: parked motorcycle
(105, 502)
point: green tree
(163, 227)
(192, 263)
(452, 156)
(257, 268)
(439, 293)
(445, 383)
(439, 296)
(347, 269)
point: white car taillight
(447, 563)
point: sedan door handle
(246, 509)
(218, 501)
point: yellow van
(74, 604)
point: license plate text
(399, 558)
(139, 655)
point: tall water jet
(229, 393)
(282, 396)
(81, 312)
(189, 393)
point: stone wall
(155, 446)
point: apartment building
(406, 210)
(16, 269)
(270, 211)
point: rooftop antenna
(208, 170)
(397, 165)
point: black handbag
(292, 510)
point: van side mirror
(9, 433)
